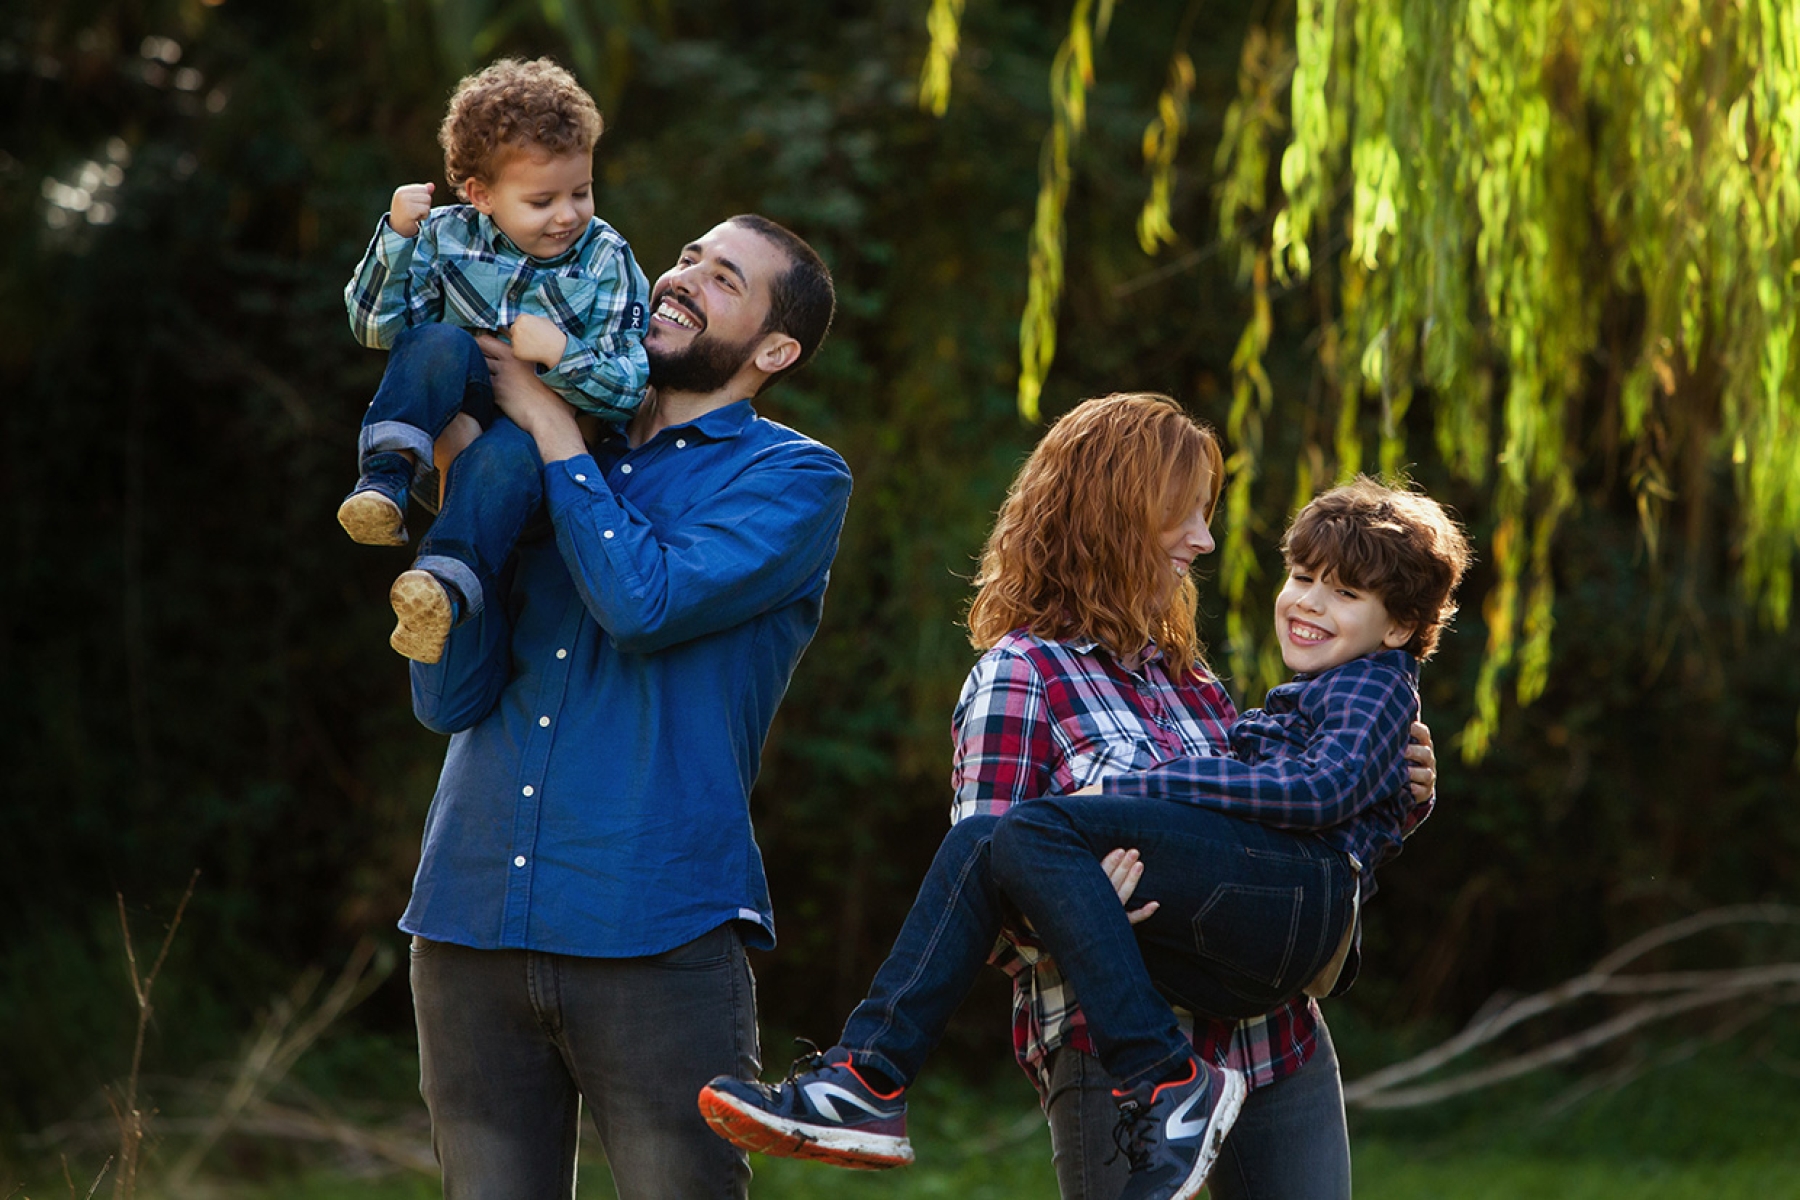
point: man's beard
(703, 367)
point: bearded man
(589, 878)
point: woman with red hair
(1091, 666)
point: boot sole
(423, 609)
(371, 519)
(791, 1139)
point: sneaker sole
(423, 608)
(371, 519)
(779, 1138)
(1224, 1117)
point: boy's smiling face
(1323, 623)
(541, 201)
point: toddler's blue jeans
(495, 486)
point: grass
(1724, 1125)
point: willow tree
(1568, 227)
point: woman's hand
(530, 402)
(1423, 760)
(1123, 870)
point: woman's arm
(1004, 741)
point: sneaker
(426, 610)
(1171, 1132)
(374, 513)
(824, 1111)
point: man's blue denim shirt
(609, 703)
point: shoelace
(1131, 1134)
(811, 1060)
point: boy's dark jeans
(495, 485)
(1247, 916)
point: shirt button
(681, 443)
(529, 790)
(562, 654)
(544, 721)
(626, 469)
(519, 861)
(581, 479)
(607, 534)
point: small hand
(529, 401)
(1123, 870)
(412, 201)
(1422, 763)
(536, 339)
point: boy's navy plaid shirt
(1040, 718)
(461, 270)
(1325, 754)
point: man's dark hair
(801, 299)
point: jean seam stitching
(931, 943)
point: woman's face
(1188, 540)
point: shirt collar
(495, 237)
(1398, 658)
(724, 423)
(719, 425)
(1153, 653)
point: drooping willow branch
(1502, 174)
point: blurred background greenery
(196, 675)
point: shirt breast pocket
(473, 294)
(1093, 759)
(567, 300)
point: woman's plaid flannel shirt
(1040, 718)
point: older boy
(525, 255)
(1275, 844)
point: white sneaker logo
(821, 1095)
(1179, 1126)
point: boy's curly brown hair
(514, 105)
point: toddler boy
(524, 256)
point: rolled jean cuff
(456, 572)
(393, 435)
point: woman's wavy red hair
(1076, 552)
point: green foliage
(1571, 224)
(195, 657)
(1584, 254)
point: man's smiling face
(709, 311)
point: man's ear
(1398, 635)
(777, 353)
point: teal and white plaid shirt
(461, 270)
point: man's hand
(411, 202)
(530, 402)
(1422, 763)
(1123, 870)
(536, 339)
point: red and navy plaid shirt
(1040, 718)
